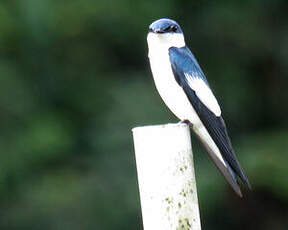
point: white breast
(169, 90)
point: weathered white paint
(166, 177)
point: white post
(166, 177)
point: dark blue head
(165, 25)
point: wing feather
(187, 71)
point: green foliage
(75, 79)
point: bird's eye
(174, 28)
(171, 29)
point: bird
(185, 90)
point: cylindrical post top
(166, 177)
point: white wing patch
(204, 93)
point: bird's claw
(187, 122)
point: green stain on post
(168, 200)
(183, 224)
(168, 209)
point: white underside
(172, 94)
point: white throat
(162, 42)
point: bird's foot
(187, 122)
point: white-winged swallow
(184, 88)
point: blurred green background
(75, 79)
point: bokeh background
(74, 80)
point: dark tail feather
(244, 179)
(227, 172)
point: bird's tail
(217, 158)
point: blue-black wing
(186, 69)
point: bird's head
(165, 33)
(165, 25)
